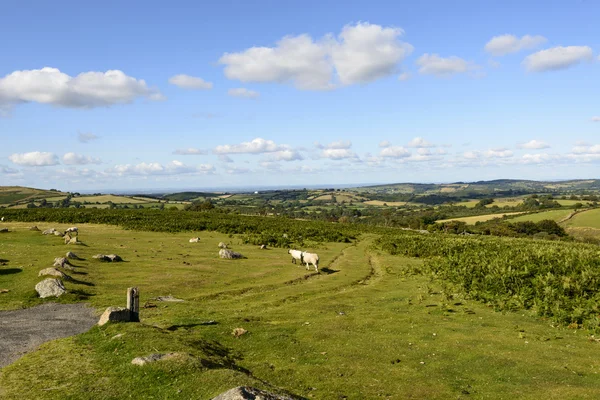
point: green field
(110, 197)
(586, 219)
(366, 327)
(555, 215)
(480, 218)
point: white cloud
(557, 58)
(76, 159)
(471, 155)
(256, 146)
(190, 82)
(340, 144)
(595, 119)
(173, 168)
(360, 54)
(366, 52)
(498, 153)
(586, 149)
(404, 76)
(288, 155)
(419, 142)
(385, 143)
(533, 144)
(84, 137)
(243, 92)
(338, 154)
(433, 64)
(394, 152)
(540, 158)
(506, 44)
(34, 159)
(191, 151)
(86, 90)
(225, 159)
(237, 170)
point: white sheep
(296, 255)
(310, 258)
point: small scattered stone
(115, 314)
(4, 290)
(74, 240)
(72, 256)
(120, 335)
(155, 357)
(237, 332)
(263, 246)
(211, 322)
(222, 245)
(169, 298)
(108, 257)
(3, 230)
(249, 393)
(61, 262)
(57, 233)
(49, 231)
(50, 288)
(34, 228)
(195, 240)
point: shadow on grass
(329, 271)
(9, 271)
(3, 261)
(77, 282)
(81, 294)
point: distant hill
(10, 195)
(508, 187)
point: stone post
(133, 304)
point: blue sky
(131, 95)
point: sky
(134, 95)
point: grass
(381, 203)
(364, 328)
(555, 215)
(105, 198)
(479, 218)
(586, 219)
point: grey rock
(195, 240)
(73, 256)
(108, 257)
(61, 262)
(249, 393)
(155, 357)
(50, 288)
(115, 314)
(57, 233)
(54, 272)
(169, 298)
(49, 231)
(34, 228)
(3, 230)
(222, 245)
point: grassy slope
(555, 215)
(589, 219)
(478, 218)
(365, 328)
(12, 194)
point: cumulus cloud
(338, 154)
(419, 142)
(557, 58)
(86, 90)
(190, 82)
(86, 137)
(173, 168)
(225, 159)
(361, 53)
(433, 64)
(506, 44)
(384, 144)
(340, 144)
(540, 158)
(596, 119)
(366, 52)
(498, 153)
(586, 149)
(34, 159)
(243, 92)
(190, 151)
(533, 144)
(288, 155)
(394, 152)
(256, 146)
(76, 159)
(471, 155)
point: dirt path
(22, 331)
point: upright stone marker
(133, 304)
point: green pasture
(367, 327)
(555, 215)
(585, 219)
(480, 218)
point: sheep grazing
(296, 255)
(310, 258)
(195, 240)
(228, 254)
